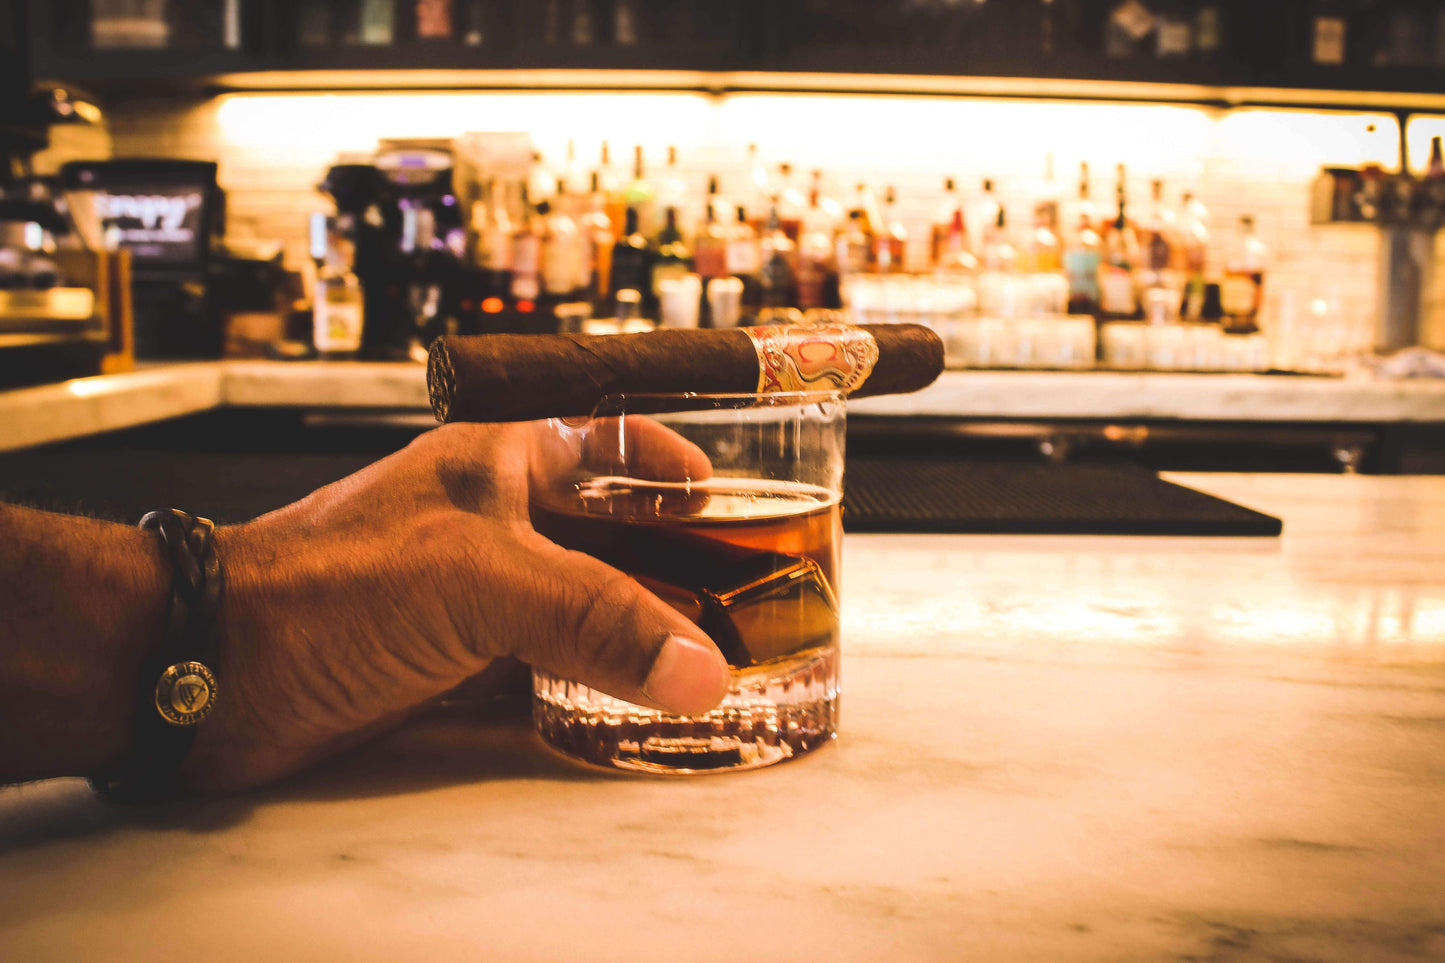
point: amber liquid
(773, 550)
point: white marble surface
(84, 406)
(1198, 397)
(336, 384)
(89, 405)
(1052, 748)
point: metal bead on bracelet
(178, 685)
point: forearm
(83, 603)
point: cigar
(523, 377)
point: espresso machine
(412, 213)
(58, 293)
(403, 218)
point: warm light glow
(1296, 143)
(901, 133)
(936, 134)
(353, 121)
(90, 387)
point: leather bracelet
(178, 683)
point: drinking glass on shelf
(740, 530)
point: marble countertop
(72, 409)
(1052, 748)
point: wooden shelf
(721, 82)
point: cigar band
(813, 357)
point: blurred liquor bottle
(1083, 252)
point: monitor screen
(161, 211)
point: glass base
(773, 713)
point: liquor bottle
(745, 259)
(673, 258)
(854, 246)
(1083, 254)
(891, 242)
(1161, 233)
(1194, 244)
(1042, 248)
(830, 207)
(672, 191)
(566, 270)
(1118, 299)
(955, 255)
(982, 213)
(527, 253)
(610, 183)
(867, 207)
(817, 264)
(601, 234)
(778, 278)
(570, 173)
(1243, 288)
(710, 250)
(791, 203)
(632, 263)
(1045, 248)
(758, 191)
(943, 219)
(337, 307)
(541, 182)
(493, 228)
(1329, 33)
(639, 194)
(999, 254)
(1433, 188)
(1158, 280)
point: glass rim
(770, 398)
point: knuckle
(603, 624)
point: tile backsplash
(274, 148)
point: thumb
(611, 634)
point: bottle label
(1116, 292)
(743, 257)
(813, 357)
(1240, 295)
(1082, 267)
(336, 321)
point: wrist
(176, 687)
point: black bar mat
(900, 494)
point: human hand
(347, 610)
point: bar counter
(85, 406)
(1052, 748)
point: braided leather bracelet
(178, 683)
